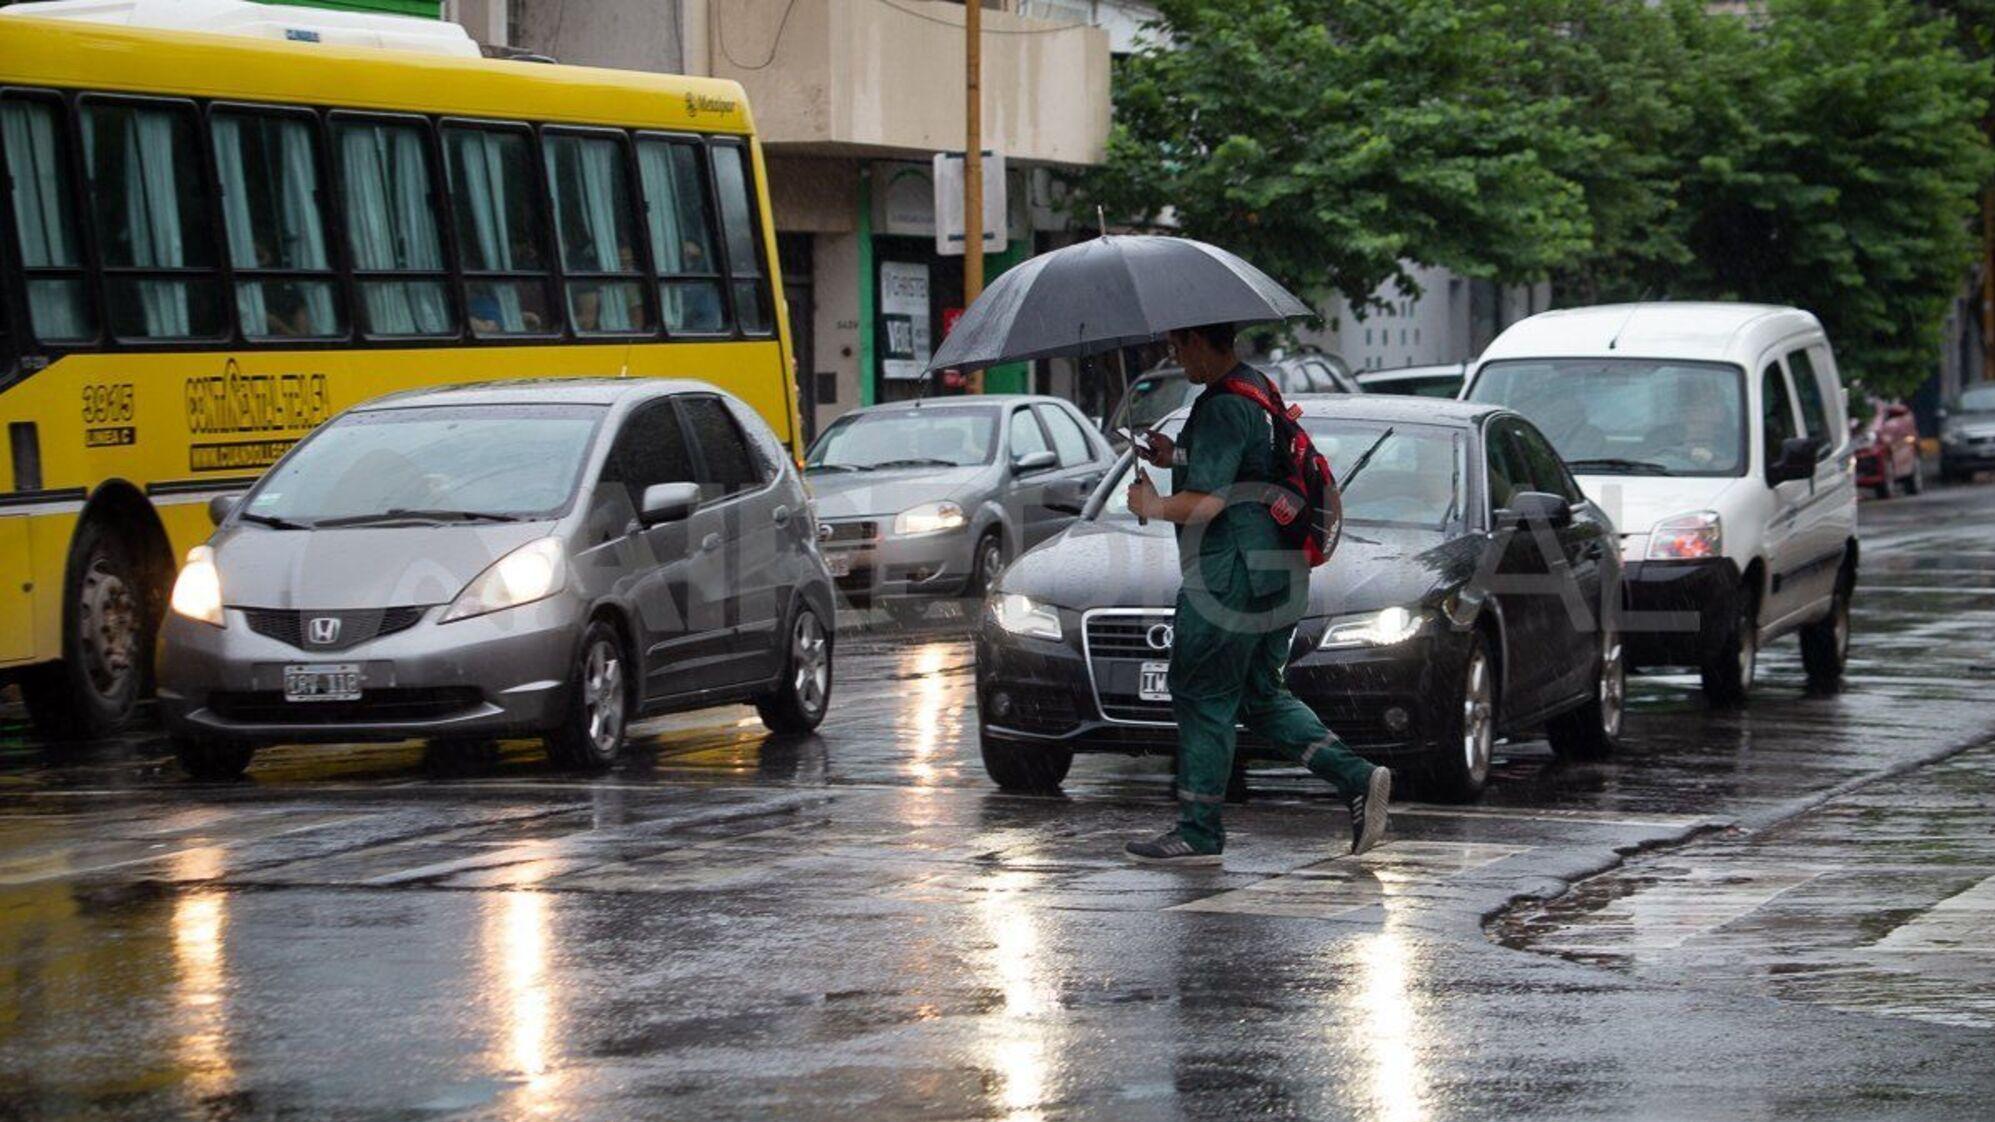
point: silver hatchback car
(549, 558)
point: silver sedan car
(931, 497)
(546, 558)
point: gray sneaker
(1168, 849)
(1368, 811)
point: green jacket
(1238, 557)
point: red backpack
(1300, 501)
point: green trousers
(1220, 677)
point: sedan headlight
(929, 518)
(1372, 629)
(1687, 537)
(534, 571)
(1022, 615)
(197, 591)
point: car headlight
(534, 571)
(1022, 615)
(197, 591)
(1687, 537)
(1372, 629)
(929, 518)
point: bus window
(588, 184)
(152, 228)
(499, 226)
(391, 228)
(269, 167)
(44, 223)
(680, 209)
(737, 220)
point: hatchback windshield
(442, 463)
(1978, 400)
(939, 436)
(1628, 416)
(1414, 479)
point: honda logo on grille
(322, 630)
(1160, 636)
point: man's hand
(1162, 450)
(1142, 495)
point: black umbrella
(1111, 292)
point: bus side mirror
(221, 506)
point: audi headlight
(1372, 629)
(1687, 537)
(197, 591)
(534, 571)
(1022, 615)
(929, 518)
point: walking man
(1243, 590)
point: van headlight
(1687, 537)
(197, 591)
(929, 518)
(1372, 629)
(1022, 615)
(534, 571)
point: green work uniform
(1243, 590)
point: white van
(1717, 438)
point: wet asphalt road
(1793, 918)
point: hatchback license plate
(1154, 682)
(322, 681)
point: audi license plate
(322, 681)
(840, 564)
(1154, 681)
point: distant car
(1967, 435)
(1715, 435)
(931, 497)
(1887, 450)
(1164, 389)
(1407, 647)
(1420, 381)
(548, 558)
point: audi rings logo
(1160, 636)
(322, 630)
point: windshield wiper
(914, 463)
(832, 467)
(1626, 467)
(273, 521)
(404, 514)
(1344, 484)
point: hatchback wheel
(1594, 729)
(591, 732)
(1460, 768)
(798, 704)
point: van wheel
(1594, 730)
(1033, 769)
(1460, 770)
(107, 632)
(1825, 644)
(797, 706)
(1727, 672)
(592, 728)
(214, 760)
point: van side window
(1776, 410)
(1808, 387)
(729, 467)
(650, 449)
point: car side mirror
(1035, 461)
(1535, 508)
(221, 506)
(1797, 460)
(669, 502)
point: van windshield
(1628, 416)
(456, 463)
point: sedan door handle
(780, 516)
(709, 543)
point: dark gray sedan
(930, 497)
(542, 558)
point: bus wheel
(106, 642)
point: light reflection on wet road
(857, 924)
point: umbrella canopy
(1110, 292)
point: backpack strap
(1269, 398)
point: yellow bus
(213, 243)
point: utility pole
(973, 161)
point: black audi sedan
(1470, 598)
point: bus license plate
(322, 681)
(1153, 682)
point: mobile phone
(1138, 440)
